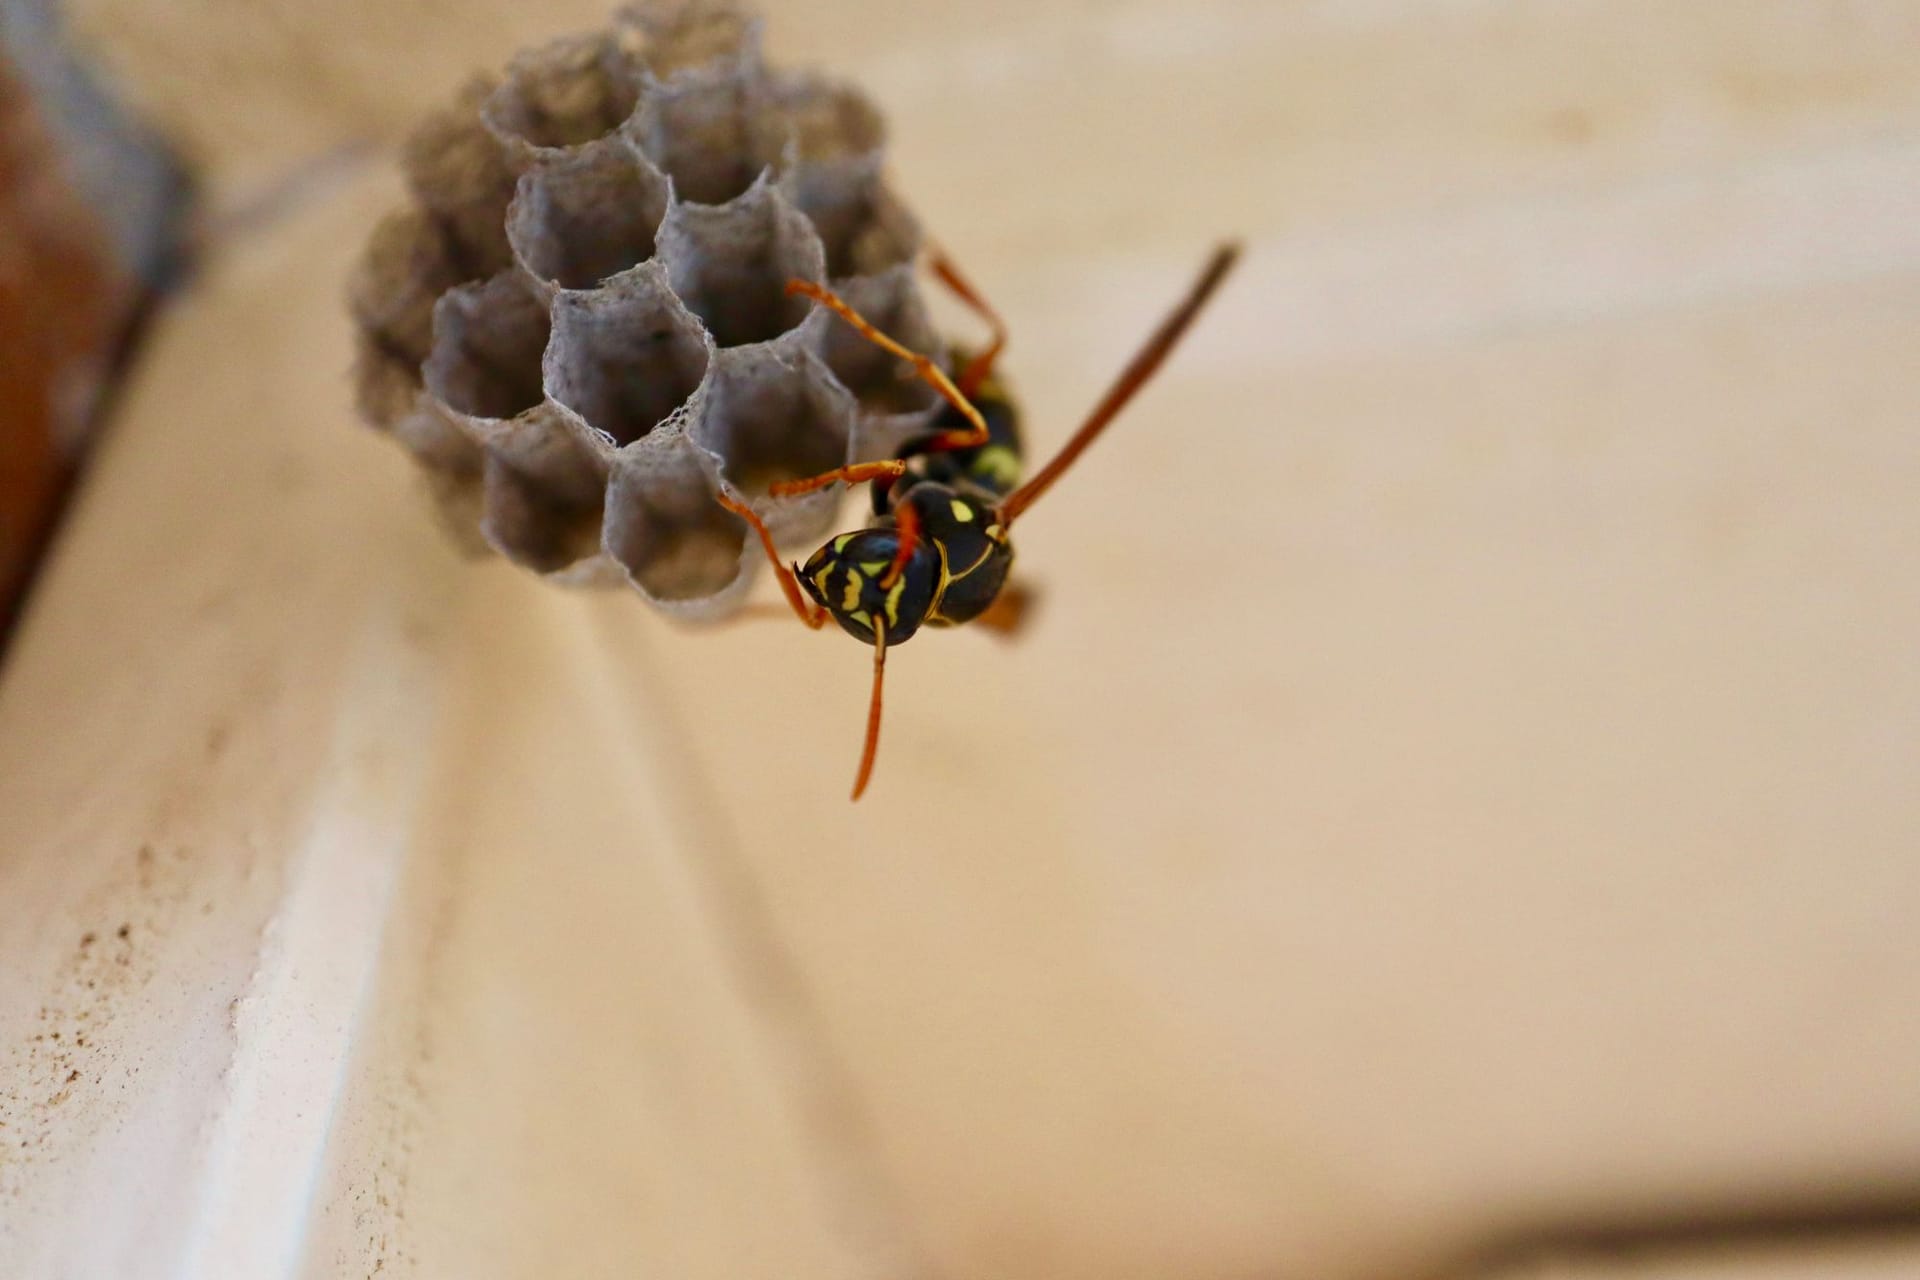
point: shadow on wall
(89, 215)
(1810, 1239)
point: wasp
(938, 553)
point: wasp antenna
(872, 747)
(1145, 363)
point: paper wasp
(937, 552)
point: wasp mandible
(937, 552)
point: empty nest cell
(488, 342)
(771, 413)
(543, 484)
(862, 227)
(563, 94)
(730, 264)
(627, 357)
(533, 525)
(587, 216)
(675, 543)
(774, 415)
(714, 136)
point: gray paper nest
(579, 327)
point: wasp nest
(579, 326)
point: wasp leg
(980, 368)
(858, 473)
(925, 369)
(907, 524)
(811, 614)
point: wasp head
(850, 577)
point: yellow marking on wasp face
(840, 543)
(852, 596)
(873, 568)
(996, 533)
(893, 601)
(999, 463)
(961, 511)
(862, 617)
(821, 577)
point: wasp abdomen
(974, 554)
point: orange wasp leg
(925, 369)
(980, 368)
(811, 614)
(907, 524)
(858, 473)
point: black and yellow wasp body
(961, 555)
(995, 467)
(937, 553)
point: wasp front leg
(858, 473)
(811, 614)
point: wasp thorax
(851, 577)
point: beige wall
(1459, 786)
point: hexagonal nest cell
(578, 326)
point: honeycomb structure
(579, 328)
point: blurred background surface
(87, 204)
(1457, 796)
